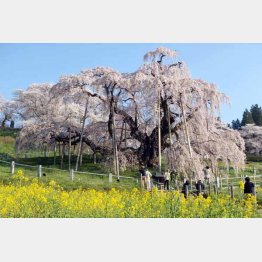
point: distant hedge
(9, 131)
(254, 158)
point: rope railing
(70, 172)
(17, 164)
(5, 162)
(90, 173)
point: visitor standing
(143, 177)
(200, 187)
(167, 179)
(249, 187)
(207, 175)
(148, 179)
(185, 188)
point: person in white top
(148, 180)
(207, 174)
(167, 179)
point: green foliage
(13, 132)
(247, 118)
(252, 116)
(236, 124)
(254, 158)
(256, 112)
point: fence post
(254, 190)
(217, 182)
(209, 188)
(72, 174)
(191, 184)
(110, 177)
(231, 191)
(39, 171)
(12, 167)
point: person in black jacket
(185, 188)
(200, 187)
(249, 186)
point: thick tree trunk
(148, 152)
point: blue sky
(235, 68)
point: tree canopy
(190, 130)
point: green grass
(13, 132)
(34, 157)
(84, 181)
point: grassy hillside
(7, 141)
(34, 158)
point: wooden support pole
(55, 153)
(171, 158)
(159, 131)
(114, 143)
(59, 148)
(231, 191)
(62, 156)
(81, 137)
(69, 149)
(125, 136)
(215, 189)
(185, 125)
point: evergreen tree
(235, 124)
(238, 124)
(247, 118)
(256, 112)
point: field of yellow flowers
(23, 197)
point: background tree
(247, 118)
(256, 113)
(235, 124)
(6, 112)
(127, 104)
